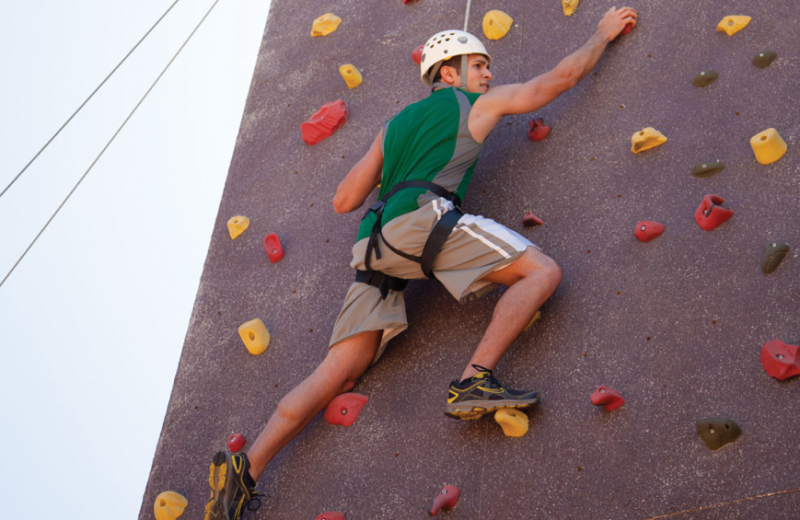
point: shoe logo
(492, 390)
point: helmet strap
(464, 69)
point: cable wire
(87, 99)
(108, 143)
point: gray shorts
(476, 246)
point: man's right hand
(615, 20)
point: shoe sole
(217, 475)
(471, 410)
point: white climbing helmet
(444, 45)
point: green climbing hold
(707, 169)
(716, 432)
(705, 78)
(774, 253)
(764, 58)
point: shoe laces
(492, 381)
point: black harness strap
(382, 281)
(433, 245)
(378, 207)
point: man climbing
(424, 158)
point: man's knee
(539, 263)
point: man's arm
(361, 180)
(527, 97)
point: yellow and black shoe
(232, 487)
(482, 394)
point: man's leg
(531, 280)
(345, 363)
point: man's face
(478, 74)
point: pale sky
(92, 322)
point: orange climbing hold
(536, 317)
(529, 219)
(514, 422)
(330, 515)
(445, 500)
(730, 25)
(768, 146)
(538, 130)
(646, 139)
(710, 214)
(236, 442)
(324, 122)
(570, 6)
(255, 336)
(417, 54)
(344, 409)
(647, 230)
(273, 247)
(169, 505)
(325, 24)
(608, 398)
(496, 24)
(351, 75)
(237, 225)
(780, 360)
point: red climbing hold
(780, 360)
(236, 442)
(344, 409)
(626, 30)
(647, 230)
(445, 500)
(538, 130)
(529, 219)
(608, 398)
(324, 122)
(331, 515)
(709, 214)
(273, 247)
(417, 54)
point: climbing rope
(466, 15)
(88, 98)
(108, 143)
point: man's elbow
(340, 204)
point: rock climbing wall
(676, 325)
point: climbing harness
(430, 251)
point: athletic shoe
(483, 394)
(230, 492)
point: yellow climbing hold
(646, 139)
(768, 146)
(730, 25)
(570, 6)
(351, 75)
(169, 505)
(514, 422)
(237, 225)
(325, 24)
(533, 320)
(496, 24)
(255, 336)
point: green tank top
(428, 141)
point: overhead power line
(87, 99)
(109, 143)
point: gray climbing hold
(774, 253)
(716, 432)
(705, 78)
(764, 58)
(707, 169)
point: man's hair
(455, 61)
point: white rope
(466, 16)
